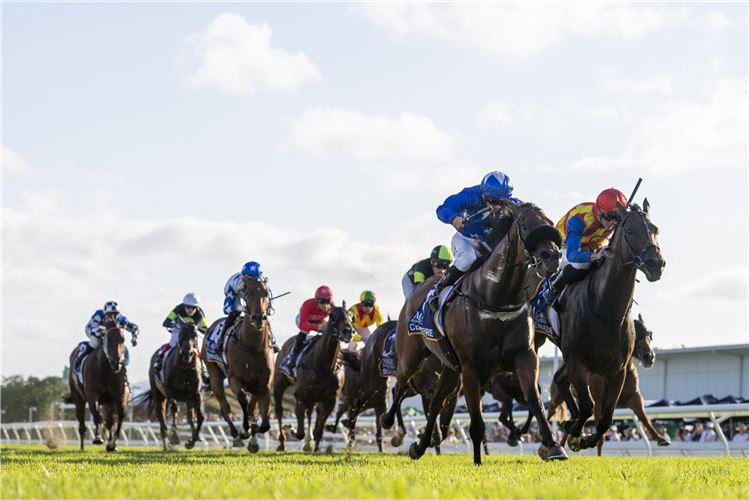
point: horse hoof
(238, 443)
(566, 426)
(413, 451)
(189, 444)
(253, 447)
(396, 441)
(387, 421)
(307, 447)
(111, 448)
(330, 428)
(244, 435)
(574, 444)
(512, 441)
(664, 441)
(543, 452)
(556, 452)
(98, 440)
(281, 447)
(348, 424)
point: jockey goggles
(323, 301)
(367, 303)
(611, 217)
(440, 265)
(495, 202)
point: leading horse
(105, 384)
(597, 332)
(250, 360)
(490, 329)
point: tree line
(19, 394)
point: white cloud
(686, 135)
(13, 163)
(332, 131)
(729, 285)
(237, 57)
(517, 31)
(660, 84)
(605, 113)
(496, 112)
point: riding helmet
(252, 268)
(367, 295)
(606, 201)
(191, 300)
(324, 292)
(442, 253)
(111, 307)
(496, 185)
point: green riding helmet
(441, 253)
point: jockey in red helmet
(586, 229)
(312, 316)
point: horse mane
(351, 358)
(500, 226)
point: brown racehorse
(598, 334)
(319, 379)
(490, 330)
(506, 388)
(182, 384)
(250, 365)
(630, 396)
(105, 384)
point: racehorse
(506, 388)
(250, 360)
(490, 329)
(630, 396)
(104, 383)
(319, 378)
(598, 334)
(181, 384)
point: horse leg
(244, 403)
(426, 402)
(447, 385)
(636, 404)
(380, 409)
(280, 384)
(114, 433)
(562, 381)
(193, 435)
(217, 386)
(472, 392)
(300, 411)
(80, 414)
(173, 409)
(526, 369)
(446, 416)
(160, 406)
(93, 405)
(505, 418)
(323, 412)
(413, 357)
(263, 400)
(612, 388)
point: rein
(637, 260)
(105, 344)
(245, 347)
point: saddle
(215, 348)
(545, 318)
(78, 374)
(289, 366)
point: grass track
(36, 472)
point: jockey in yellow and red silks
(585, 229)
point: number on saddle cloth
(214, 350)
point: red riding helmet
(324, 292)
(606, 201)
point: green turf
(36, 472)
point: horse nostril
(545, 255)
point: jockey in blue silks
(235, 294)
(494, 192)
(95, 329)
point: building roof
(683, 350)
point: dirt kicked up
(36, 472)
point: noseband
(535, 236)
(637, 260)
(106, 345)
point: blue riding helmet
(496, 185)
(252, 268)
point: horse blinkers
(548, 260)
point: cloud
(605, 113)
(498, 112)
(517, 31)
(14, 164)
(685, 135)
(729, 285)
(660, 84)
(333, 131)
(237, 58)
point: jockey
(312, 316)
(365, 314)
(95, 329)
(494, 192)
(437, 263)
(189, 311)
(585, 229)
(234, 291)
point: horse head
(339, 324)
(187, 344)
(257, 300)
(114, 345)
(640, 237)
(643, 350)
(538, 238)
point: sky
(151, 149)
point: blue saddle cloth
(427, 323)
(545, 318)
(78, 374)
(388, 361)
(214, 352)
(288, 366)
(160, 375)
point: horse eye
(523, 227)
(629, 232)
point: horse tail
(351, 358)
(67, 398)
(143, 399)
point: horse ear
(639, 317)
(646, 206)
(343, 304)
(622, 209)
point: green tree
(18, 394)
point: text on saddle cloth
(427, 323)
(216, 352)
(78, 374)
(545, 318)
(388, 361)
(288, 366)
(160, 376)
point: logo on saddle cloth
(388, 361)
(215, 352)
(160, 375)
(545, 317)
(288, 366)
(78, 374)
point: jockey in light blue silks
(494, 192)
(234, 291)
(95, 329)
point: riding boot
(450, 277)
(79, 358)
(298, 343)
(272, 340)
(159, 361)
(230, 319)
(568, 275)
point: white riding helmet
(111, 307)
(191, 300)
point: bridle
(536, 234)
(191, 352)
(340, 334)
(637, 260)
(105, 346)
(260, 281)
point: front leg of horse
(299, 410)
(115, 430)
(526, 366)
(280, 384)
(324, 411)
(199, 416)
(93, 406)
(173, 410)
(399, 391)
(263, 400)
(244, 402)
(217, 386)
(379, 411)
(562, 382)
(472, 392)
(397, 440)
(578, 375)
(612, 388)
(447, 385)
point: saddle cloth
(545, 318)
(288, 366)
(160, 375)
(388, 362)
(427, 323)
(78, 374)
(214, 352)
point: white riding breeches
(408, 287)
(175, 337)
(93, 341)
(576, 265)
(465, 251)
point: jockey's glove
(356, 338)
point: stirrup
(433, 298)
(275, 348)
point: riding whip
(278, 296)
(631, 197)
(480, 212)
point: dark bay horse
(181, 384)
(506, 388)
(105, 384)
(598, 334)
(630, 396)
(319, 379)
(250, 365)
(490, 330)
